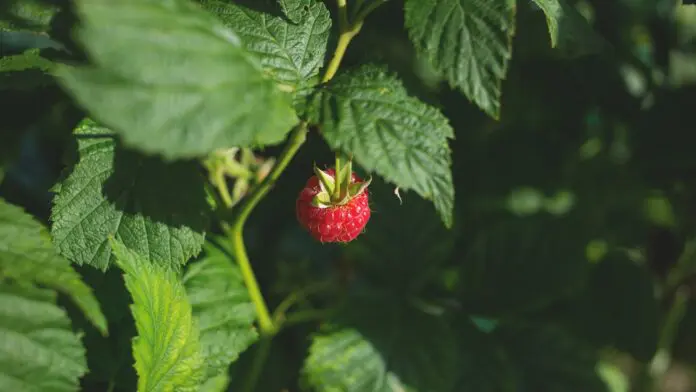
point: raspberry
(331, 221)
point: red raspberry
(334, 223)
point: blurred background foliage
(572, 262)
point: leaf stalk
(347, 31)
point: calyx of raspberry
(338, 190)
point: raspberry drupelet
(333, 222)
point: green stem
(252, 285)
(338, 168)
(367, 10)
(683, 268)
(297, 296)
(673, 319)
(221, 185)
(235, 232)
(338, 165)
(307, 315)
(260, 356)
(347, 33)
(668, 333)
(266, 324)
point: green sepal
(241, 186)
(322, 200)
(265, 169)
(343, 181)
(236, 170)
(326, 182)
(247, 157)
(358, 187)
(343, 201)
(339, 190)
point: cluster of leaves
(503, 288)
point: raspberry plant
(174, 174)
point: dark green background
(594, 150)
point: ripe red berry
(333, 222)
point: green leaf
(554, 11)
(218, 383)
(38, 350)
(155, 208)
(295, 10)
(368, 113)
(522, 265)
(26, 71)
(31, 59)
(551, 360)
(469, 42)
(568, 29)
(291, 53)
(167, 349)
(34, 15)
(222, 308)
(381, 344)
(26, 254)
(173, 80)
